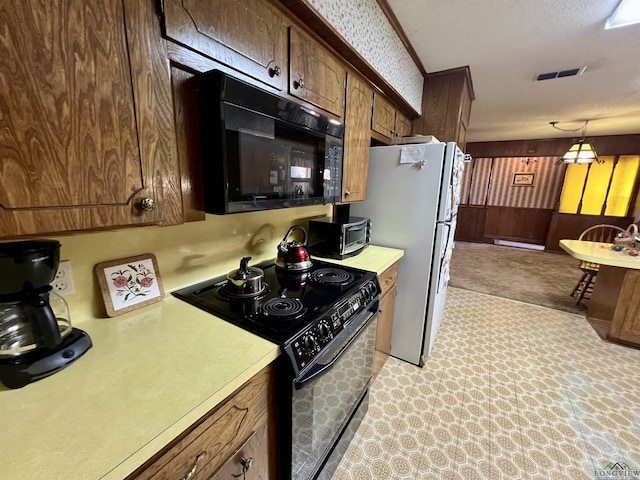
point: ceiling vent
(563, 73)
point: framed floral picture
(523, 179)
(129, 283)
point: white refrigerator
(413, 192)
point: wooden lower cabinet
(614, 308)
(239, 434)
(388, 284)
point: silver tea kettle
(246, 280)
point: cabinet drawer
(249, 462)
(208, 445)
(388, 279)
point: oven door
(355, 237)
(327, 397)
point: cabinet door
(385, 321)
(248, 35)
(403, 125)
(315, 75)
(383, 330)
(384, 116)
(87, 124)
(357, 140)
(465, 113)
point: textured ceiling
(506, 43)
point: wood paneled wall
(517, 213)
(569, 226)
(470, 226)
(604, 145)
(529, 225)
(492, 209)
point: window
(601, 189)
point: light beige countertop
(601, 253)
(374, 258)
(150, 375)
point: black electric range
(300, 311)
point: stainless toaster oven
(338, 237)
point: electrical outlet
(63, 281)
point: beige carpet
(531, 276)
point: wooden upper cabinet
(87, 121)
(384, 116)
(446, 106)
(403, 125)
(248, 35)
(387, 120)
(357, 139)
(315, 75)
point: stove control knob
(365, 293)
(309, 343)
(324, 330)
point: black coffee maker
(36, 337)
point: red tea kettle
(293, 256)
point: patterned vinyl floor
(510, 391)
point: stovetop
(291, 303)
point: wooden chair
(603, 233)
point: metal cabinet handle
(246, 465)
(347, 193)
(275, 71)
(194, 468)
(299, 83)
(147, 204)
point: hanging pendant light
(581, 151)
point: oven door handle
(317, 370)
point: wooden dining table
(614, 308)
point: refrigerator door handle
(443, 257)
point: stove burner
(226, 293)
(332, 276)
(283, 308)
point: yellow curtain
(624, 179)
(619, 182)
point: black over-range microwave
(261, 151)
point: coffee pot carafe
(36, 337)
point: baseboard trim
(509, 243)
